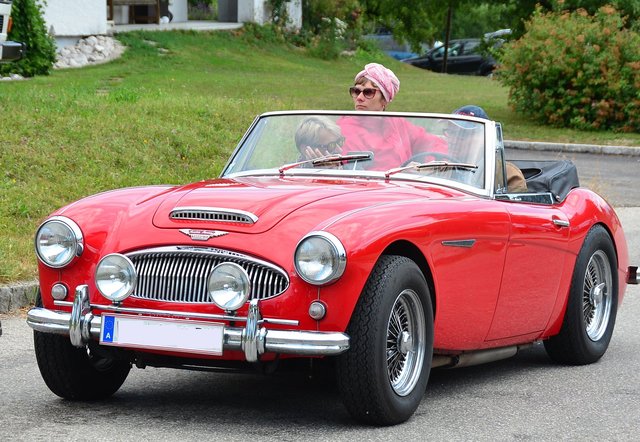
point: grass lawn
(173, 107)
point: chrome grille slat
(179, 274)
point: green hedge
(576, 70)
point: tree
(29, 27)
(413, 21)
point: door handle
(560, 222)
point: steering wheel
(419, 157)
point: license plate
(162, 334)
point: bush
(576, 70)
(29, 27)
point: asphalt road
(615, 177)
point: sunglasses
(332, 145)
(368, 92)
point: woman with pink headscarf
(392, 140)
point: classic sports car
(321, 242)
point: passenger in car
(318, 136)
(392, 140)
(516, 182)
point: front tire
(383, 376)
(593, 302)
(76, 373)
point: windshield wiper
(328, 159)
(431, 165)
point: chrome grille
(213, 214)
(179, 274)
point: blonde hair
(308, 131)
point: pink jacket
(392, 140)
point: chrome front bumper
(81, 325)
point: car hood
(255, 205)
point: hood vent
(213, 214)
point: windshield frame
(491, 145)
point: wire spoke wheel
(592, 304)
(406, 332)
(383, 375)
(596, 295)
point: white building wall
(256, 11)
(76, 18)
(179, 10)
(294, 10)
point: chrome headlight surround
(229, 286)
(58, 241)
(320, 258)
(115, 277)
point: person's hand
(310, 153)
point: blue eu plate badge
(153, 333)
(108, 326)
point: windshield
(451, 148)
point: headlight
(320, 258)
(115, 277)
(58, 241)
(229, 286)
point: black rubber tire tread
(362, 371)
(70, 372)
(572, 345)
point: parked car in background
(464, 57)
(9, 50)
(390, 46)
(385, 265)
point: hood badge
(202, 235)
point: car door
(454, 54)
(534, 263)
(469, 60)
(468, 245)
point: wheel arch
(612, 237)
(411, 251)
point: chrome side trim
(213, 214)
(467, 243)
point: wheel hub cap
(406, 334)
(405, 342)
(596, 295)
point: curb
(16, 296)
(577, 148)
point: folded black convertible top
(555, 176)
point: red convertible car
(385, 243)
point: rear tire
(593, 302)
(76, 373)
(383, 376)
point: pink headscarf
(382, 77)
